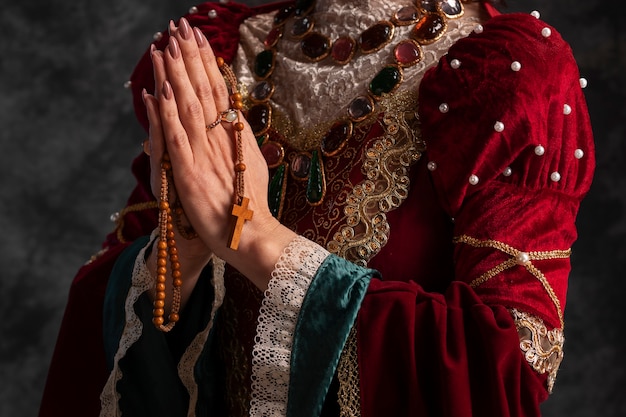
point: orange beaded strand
(166, 248)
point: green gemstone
(264, 63)
(316, 185)
(386, 80)
(276, 191)
(260, 140)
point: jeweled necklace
(429, 18)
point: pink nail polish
(167, 90)
(185, 28)
(200, 39)
(174, 48)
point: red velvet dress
(473, 259)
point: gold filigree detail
(119, 217)
(542, 348)
(518, 257)
(386, 184)
(348, 374)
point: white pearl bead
(479, 29)
(432, 165)
(567, 109)
(212, 14)
(498, 127)
(546, 32)
(539, 150)
(473, 179)
(157, 36)
(535, 14)
(115, 217)
(455, 64)
(193, 10)
(516, 66)
(578, 153)
(507, 172)
(522, 258)
(230, 116)
(128, 84)
(583, 83)
(555, 176)
(444, 108)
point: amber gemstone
(316, 186)
(336, 138)
(406, 15)
(429, 28)
(376, 36)
(259, 118)
(360, 108)
(264, 63)
(300, 166)
(273, 37)
(282, 15)
(301, 27)
(276, 191)
(452, 8)
(407, 53)
(315, 46)
(386, 80)
(262, 91)
(273, 153)
(343, 49)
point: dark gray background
(68, 135)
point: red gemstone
(375, 37)
(335, 139)
(273, 37)
(429, 28)
(343, 49)
(407, 53)
(273, 153)
(315, 46)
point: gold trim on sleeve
(349, 397)
(518, 257)
(542, 349)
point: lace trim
(542, 348)
(349, 383)
(141, 282)
(279, 312)
(521, 258)
(192, 353)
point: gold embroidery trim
(348, 374)
(119, 217)
(386, 184)
(542, 349)
(518, 257)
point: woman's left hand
(193, 96)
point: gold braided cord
(349, 397)
(146, 205)
(518, 257)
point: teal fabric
(327, 315)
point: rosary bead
(162, 245)
(240, 167)
(237, 104)
(160, 296)
(176, 274)
(160, 286)
(236, 97)
(159, 303)
(238, 126)
(166, 165)
(178, 282)
(162, 270)
(174, 317)
(220, 61)
(158, 321)
(161, 278)
(174, 257)
(171, 243)
(164, 205)
(161, 262)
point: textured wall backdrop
(68, 135)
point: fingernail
(200, 39)
(144, 93)
(152, 50)
(167, 90)
(174, 48)
(185, 28)
(171, 28)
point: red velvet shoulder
(506, 104)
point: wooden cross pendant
(242, 213)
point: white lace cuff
(278, 316)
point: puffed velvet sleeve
(510, 151)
